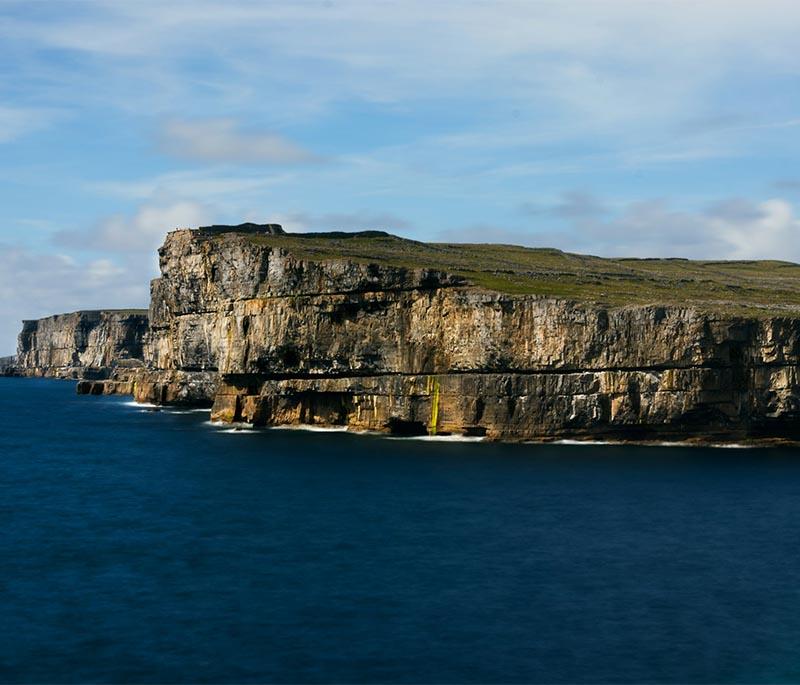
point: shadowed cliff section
(82, 344)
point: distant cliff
(82, 344)
(7, 365)
(276, 329)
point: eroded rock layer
(84, 344)
(270, 338)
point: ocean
(152, 546)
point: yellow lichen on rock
(433, 391)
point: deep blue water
(146, 546)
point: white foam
(687, 443)
(237, 425)
(186, 411)
(225, 427)
(344, 429)
(310, 427)
(437, 438)
(167, 408)
(651, 443)
(587, 443)
(215, 424)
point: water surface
(142, 546)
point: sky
(612, 128)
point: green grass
(752, 288)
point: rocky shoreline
(265, 337)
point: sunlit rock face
(82, 344)
(272, 339)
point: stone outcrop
(269, 338)
(84, 344)
(159, 386)
(249, 227)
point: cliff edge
(378, 333)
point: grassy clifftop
(741, 287)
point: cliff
(82, 344)
(378, 333)
(8, 366)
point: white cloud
(733, 229)
(222, 140)
(189, 185)
(145, 230)
(342, 221)
(142, 232)
(575, 204)
(33, 285)
(605, 64)
(770, 228)
(16, 122)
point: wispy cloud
(604, 64)
(35, 284)
(574, 204)
(788, 184)
(105, 266)
(223, 140)
(735, 228)
(16, 122)
(191, 185)
(142, 232)
(361, 220)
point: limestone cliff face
(81, 344)
(272, 339)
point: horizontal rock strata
(271, 339)
(188, 388)
(82, 344)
